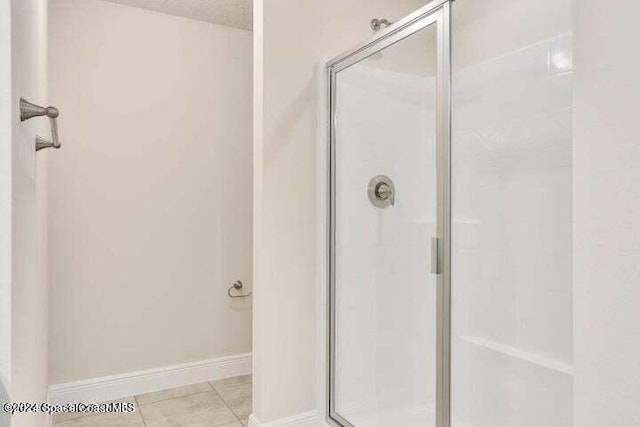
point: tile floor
(224, 403)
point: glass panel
(385, 295)
(511, 208)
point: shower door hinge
(436, 256)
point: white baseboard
(307, 419)
(124, 385)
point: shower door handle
(435, 256)
(29, 110)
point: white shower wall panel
(512, 239)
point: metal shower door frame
(437, 12)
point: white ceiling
(232, 13)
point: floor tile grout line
(234, 386)
(139, 406)
(135, 398)
(234, 413)
(171, 398)
(86, 414)
(227, 405)
(250, 384)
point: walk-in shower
(449, 220)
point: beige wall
(28, 363)
(607, 208)
(150, 207)
(296, 36)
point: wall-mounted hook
(237, 286)
(29, 110)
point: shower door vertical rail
(437, 12)
(443, 167)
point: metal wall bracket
(29, 110)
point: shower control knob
(382, 192)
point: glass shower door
(389, 138)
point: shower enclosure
(449, 261)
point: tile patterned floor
(224, 403)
